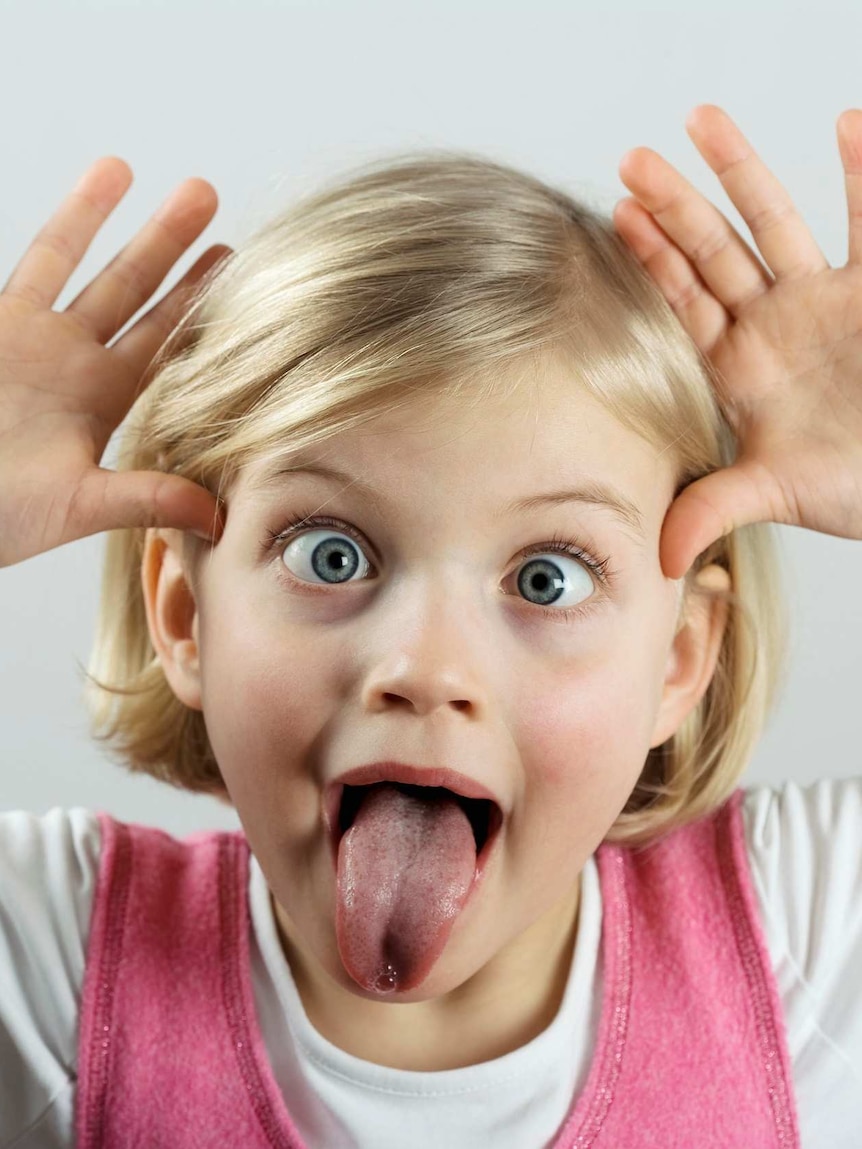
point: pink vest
(691, 1048)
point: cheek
(588, 736)
(262, 689)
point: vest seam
(600, 1088)
(732, 858)
(116, 861)
(233, 922)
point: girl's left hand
(785, 343)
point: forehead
(526, 428)
(503, 449)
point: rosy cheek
(591, 727)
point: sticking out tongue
(405, 868)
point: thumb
(108, 500)
(705, 511)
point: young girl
(442, 551)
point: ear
(694, 653)
(172, 613)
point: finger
(707, 510)
(129, 280)
(140, 343)
(850, 147)
(60, 245)
(781, 235)
(109, 500)
(723, 259)
(701, 314)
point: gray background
(268, 100)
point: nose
(427, 659)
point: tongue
(405, 868)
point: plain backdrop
(267, 100)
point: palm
(90, 380)
(792, 401)
(54, 427)
(63, 391)
(786, 347)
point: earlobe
(694, 654)
(172, 615)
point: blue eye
(541, 576)
(320, 557)
(323, 554)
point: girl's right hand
(63, 392)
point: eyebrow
(590, 491)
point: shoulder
(49, 865)
(804, 844)
(791, 807)
(48, 872)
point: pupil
(331, 559)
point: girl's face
(433, 653)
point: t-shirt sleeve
(805, 849)
(48, 872)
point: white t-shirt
(805, 845)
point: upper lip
(392, 771)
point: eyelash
(599, 565)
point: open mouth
(484, 816)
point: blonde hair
(421, 275)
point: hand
(63, 392)
(785, 340)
